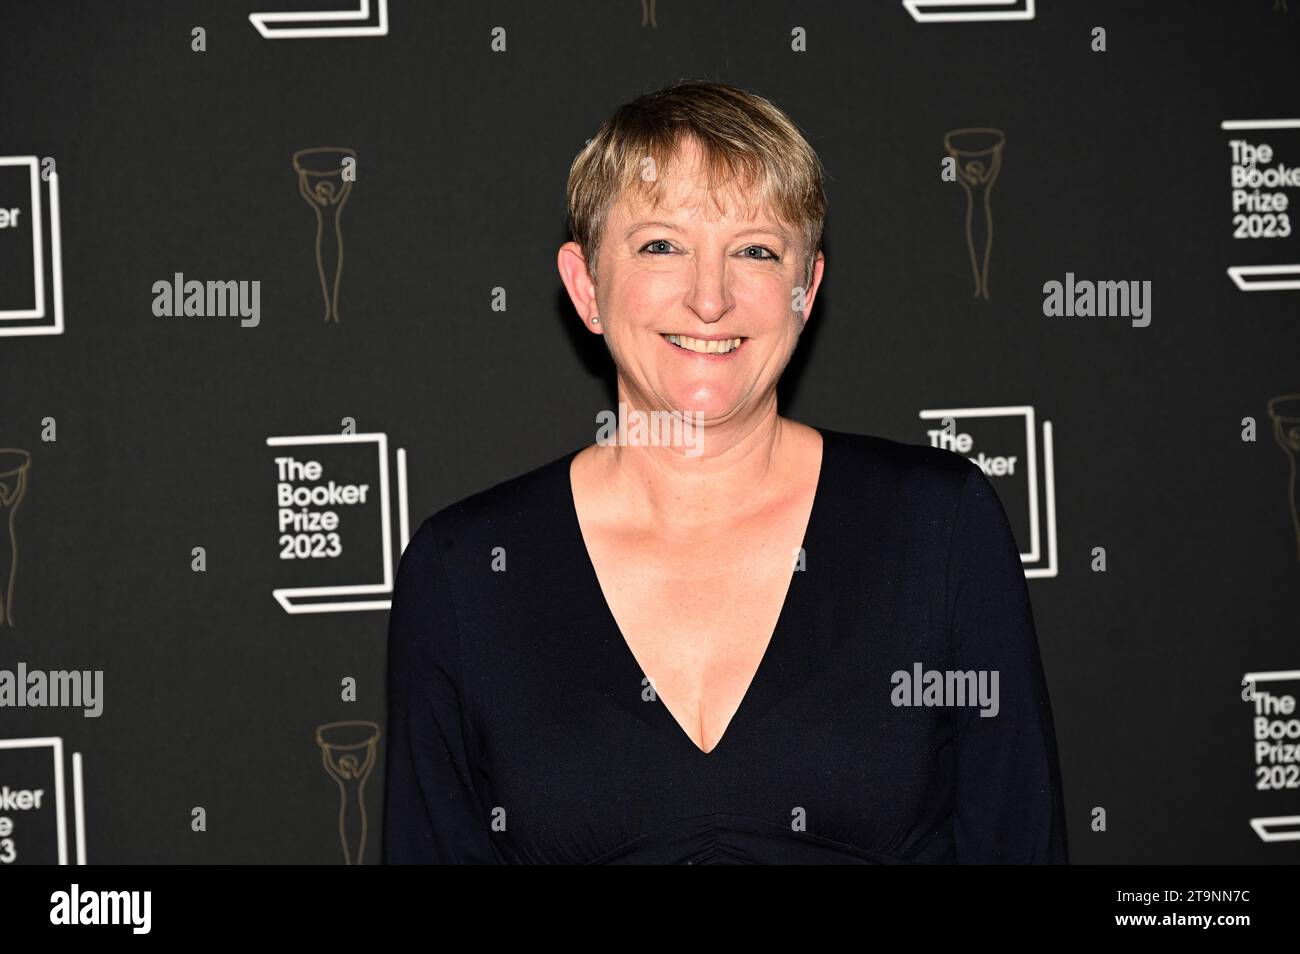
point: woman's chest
(694, 592)
(581, 758)
(699, 636)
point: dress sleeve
(1009, 803)
(432, 814)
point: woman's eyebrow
(661, 223)
(649, 222)
(779, 232)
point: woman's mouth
(698, 347)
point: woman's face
(701, 267)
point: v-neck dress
(522, 730)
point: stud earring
(595, 320)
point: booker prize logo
(1004, 443)
(31, 247)
(34, 803)
(1264, 178)
(1275, 737)
(334, 521)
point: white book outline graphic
(55, 744)
(286, 596)
(267, 23)
(1264, 825)
(1240, 273)
(1049, 478)
(931, 11)
(38, 256)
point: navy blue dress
(521, 730)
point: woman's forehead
(686, 196)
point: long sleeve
(432, 814)
(1010, 807)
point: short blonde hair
(742, 137)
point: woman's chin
(708, 404)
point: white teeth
(705, 347)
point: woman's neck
(735, 468)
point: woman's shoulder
(935, 498)
(871, 457)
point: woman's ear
(578, 283)
(818, 269)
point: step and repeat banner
(277, 281)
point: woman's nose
(709, 296)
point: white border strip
(79, 808)
(1260, 124)
(1049, 479)
(403, 512)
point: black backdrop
(1115, 167)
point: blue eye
(759, 253)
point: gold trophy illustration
(14, 465)
(348, 751)
(321, 183)
(1285, 412)
(978, 154)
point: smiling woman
(690, 655)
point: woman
(743, 644)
